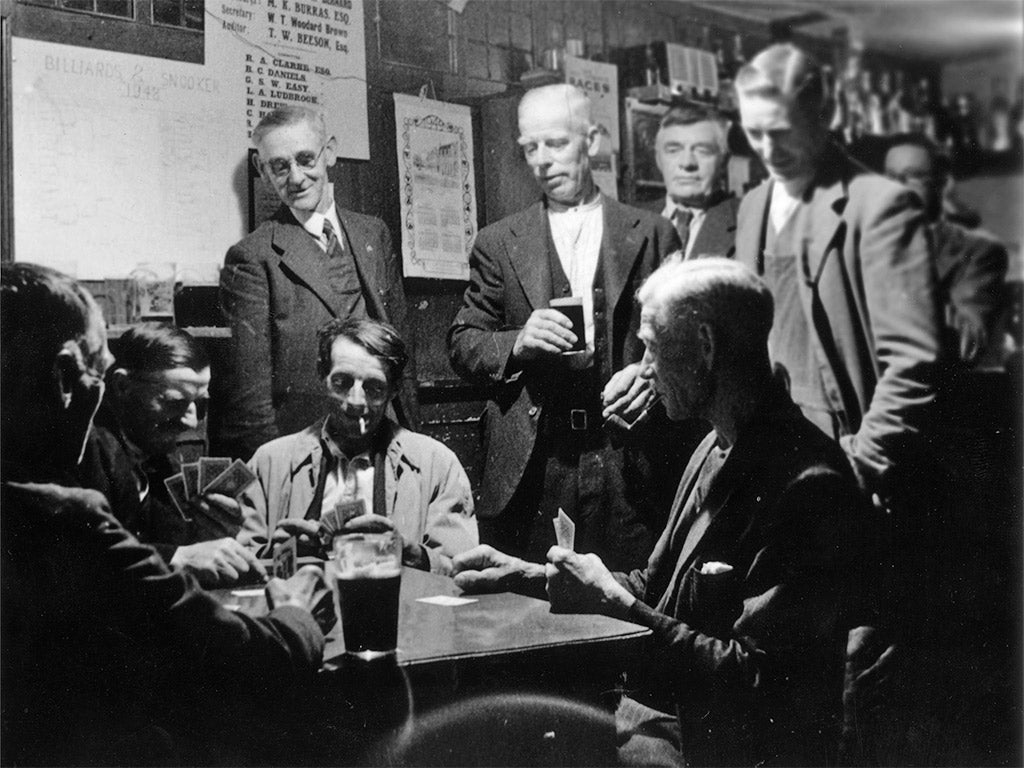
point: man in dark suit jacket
(109, 657)
(971, 264)
(692, 153)
(311, 262)
(546, 444)
(752, 584)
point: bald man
(546, 438)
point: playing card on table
(209, 469)
(175, 485)
(565, 530)
(232, 481)
(190, 473)
(334, 521)
(284, 559)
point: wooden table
(498, 643)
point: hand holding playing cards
(582, 584)
(307, 590)
(307, 533)
(485, 569)
(216, 515)
(217, 563)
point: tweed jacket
(275, 293)
(427, 493)
(750, 649)
(869, 295)
(717, 235)
(509, 278)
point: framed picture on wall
(642, 178)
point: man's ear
(66, 373)
(330, 151)
(593, 140)
(254, 158)
(707, 345)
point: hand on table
(582, 584)
(625, 397)
(307, 590)
(485, 569)
(306, 532)
(220, 562)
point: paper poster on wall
(600, 82)
(282, 52)
(437, 187)
(122, 159)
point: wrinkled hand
(485, 569)
(220, 562)
(547, 332)
(307, 590)
(413, 554)
(625, 397)
(582, 584)
(306, 532)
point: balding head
(558, 140)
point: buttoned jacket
(867, 287)
(510, 277)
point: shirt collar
(584, 207)
(313, 221)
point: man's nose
(647, 366)
(295, 174)
(356, 395)
(688, 160)
(191, 418)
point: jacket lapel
(620, 246)
(305, 472)
(751, 225)
(528, 253)
(719, 227)
(369, 264)
(819, 223)
(302, 257)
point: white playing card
(565, 530)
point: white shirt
(314, 222)
(786, 198)
(577, 232)
(698, 215)
(350, 480)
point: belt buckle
(578, 420)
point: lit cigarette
(362, 425)
(646, 412)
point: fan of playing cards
(333, 522)
(208, 475)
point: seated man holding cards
(109, 657)
(356, 463)
(158, 391)
(750, 588)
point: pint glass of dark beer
(367, 568)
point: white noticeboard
(600, 82)
(121, 159)
(437, 188)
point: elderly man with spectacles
(312, 261)
(157, 392)
(355, 458)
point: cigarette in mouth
(362, 425)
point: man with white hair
(756, 576)
(545, 435)
(692, 152)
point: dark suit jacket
(971, 268)
(275, 293)
(717, 235)
(869, 296)
(509, 278)
(108, 466)
(753, 656)
(102, 641)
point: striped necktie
(332, 238)
(682, 218)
